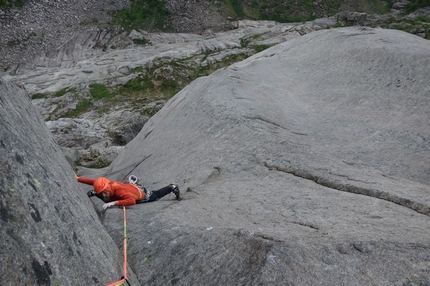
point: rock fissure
(131, 168)
(258, 118)
(330, 183)
(312, 226)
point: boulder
(94, 141)
(305, 164)
(50, 232)
(351, 18)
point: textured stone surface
(50, 233)
(95, 138)
(50, 46)
(305, 164)
(57, 31)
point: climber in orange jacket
(115, 193)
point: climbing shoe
(175, 190)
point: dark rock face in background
(40, 28)
(305, 164)
(50, 233)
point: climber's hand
(108, 205)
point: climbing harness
(124, 277)
(134, 181)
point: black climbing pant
(158, 194)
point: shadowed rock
(50, 233)
(305, 164)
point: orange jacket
(122, 194)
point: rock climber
(115, 193)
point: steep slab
(305, 164)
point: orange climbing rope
(124, 277)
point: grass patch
(141, 41)
(381, 7)
(299, 10)
(11, 43)
(237, 8)
(140, 83)
(423, 19)
(150, 86)
(89, 22)
(228, 10)
(280, 11)
(227, 61)
(10, 3)
(58, 93)
(63, 91)
(259, 48)
(150, 15)
(82, 107)
(163, 79)
(419, 25)
(39, 95)
(252, 13)
(415, 5)
(99, 91)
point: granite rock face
(305, 164)
(53, 46)
(94, 138)
(50, 232)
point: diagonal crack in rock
(350, 188)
